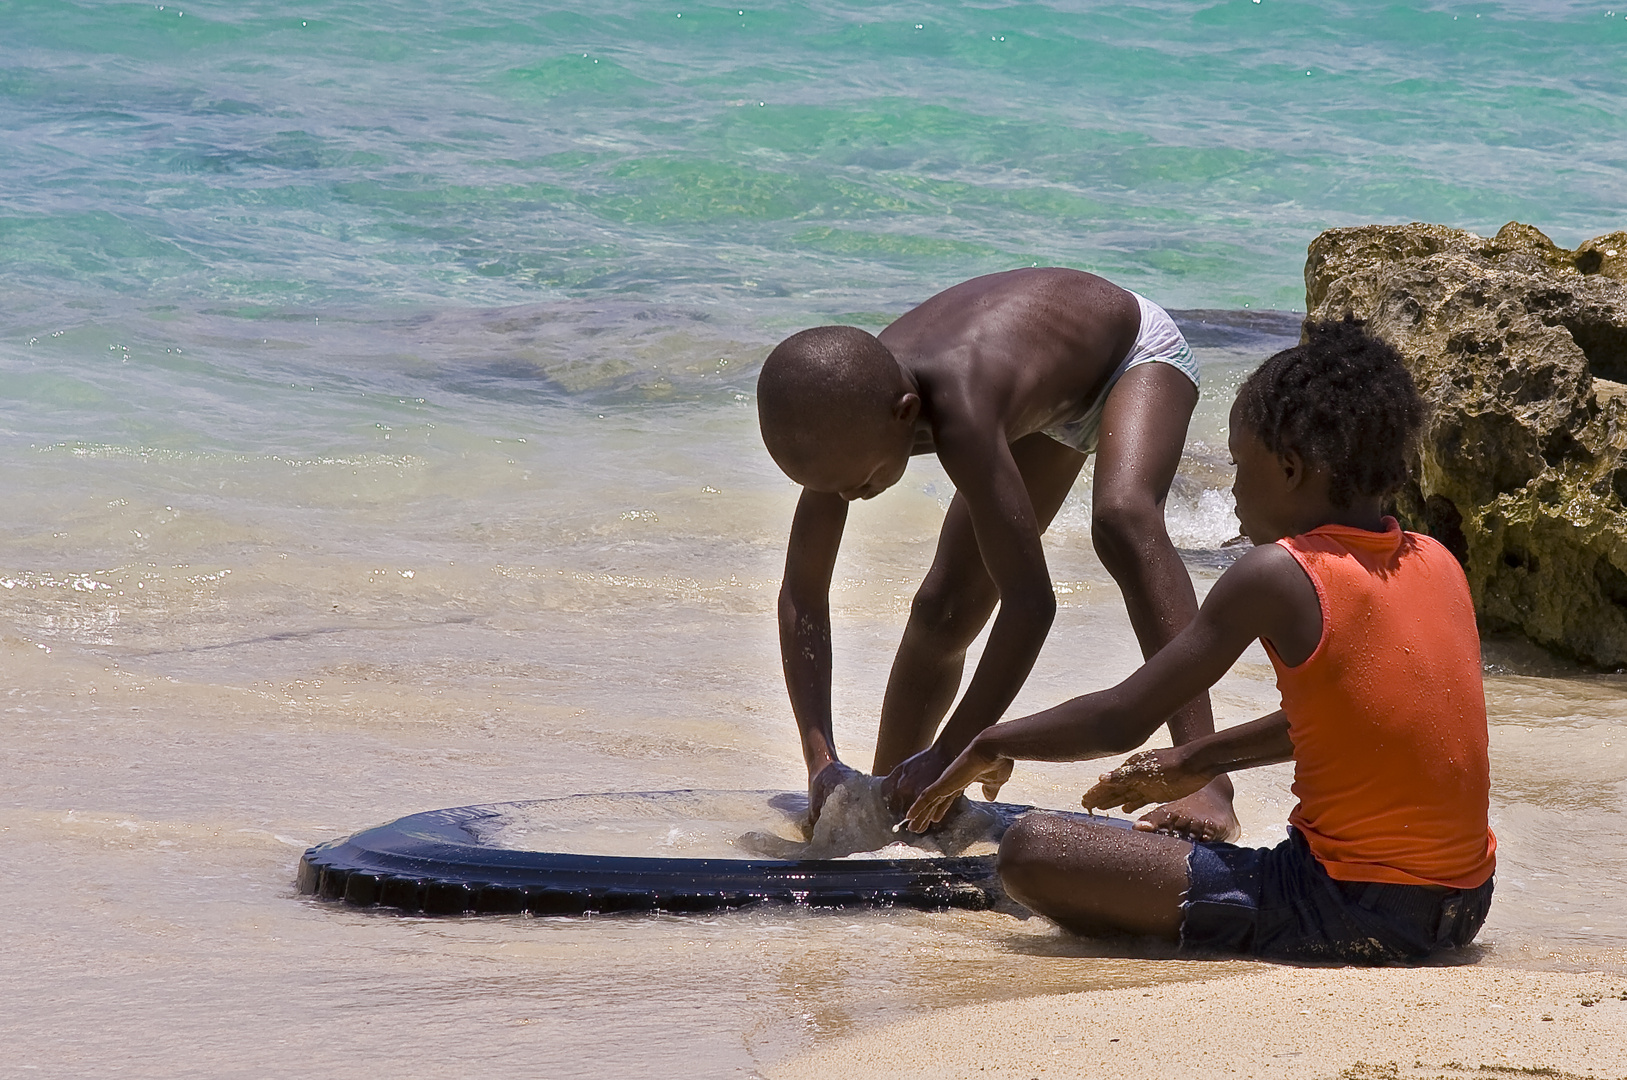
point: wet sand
(1483, 1020)
(153, 821)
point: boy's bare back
(1017, 352)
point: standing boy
(1012, 380)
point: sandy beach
(1481, 1020)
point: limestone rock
(1520, 348)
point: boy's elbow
(1118, 728)
(787, 610)
(1119, 742)
(794, 609)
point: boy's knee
(1121, 526)
(946, 616)
(1022, 852)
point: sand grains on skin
(1280, 1022)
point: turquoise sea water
(258, 158)
(665, 189)
(376, 434)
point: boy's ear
(1293, 468)
(907, 408)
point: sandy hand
(1152, 776)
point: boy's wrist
(985, 744)
(818, 753)
(1191, 759)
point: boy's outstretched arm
(804, 615)
(1264, 594)
(1157, 776)
(1008, 539)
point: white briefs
(1159, 342)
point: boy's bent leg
(1143, 431)
(953, 603)
(1096, 879)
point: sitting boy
(1011, 379)
(1372, 634)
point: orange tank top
(1388, 715)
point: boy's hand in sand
(1152, 776)
(824, 782)
(972, 766)
(912, 776)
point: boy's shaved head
(824, 394)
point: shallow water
(856, 823)
(376, 435)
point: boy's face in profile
(857, 468)
(1264, 485)
(862, 457)
(886, 471)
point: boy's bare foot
(825, 781)
(1203, 815)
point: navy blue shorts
(1279, 903)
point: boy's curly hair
(1341, 398)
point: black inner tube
(435, 863)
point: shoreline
(1491, 1018)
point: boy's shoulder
(1263, 575)
(1264, 562)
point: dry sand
(1483, 1020)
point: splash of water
(857, 822)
